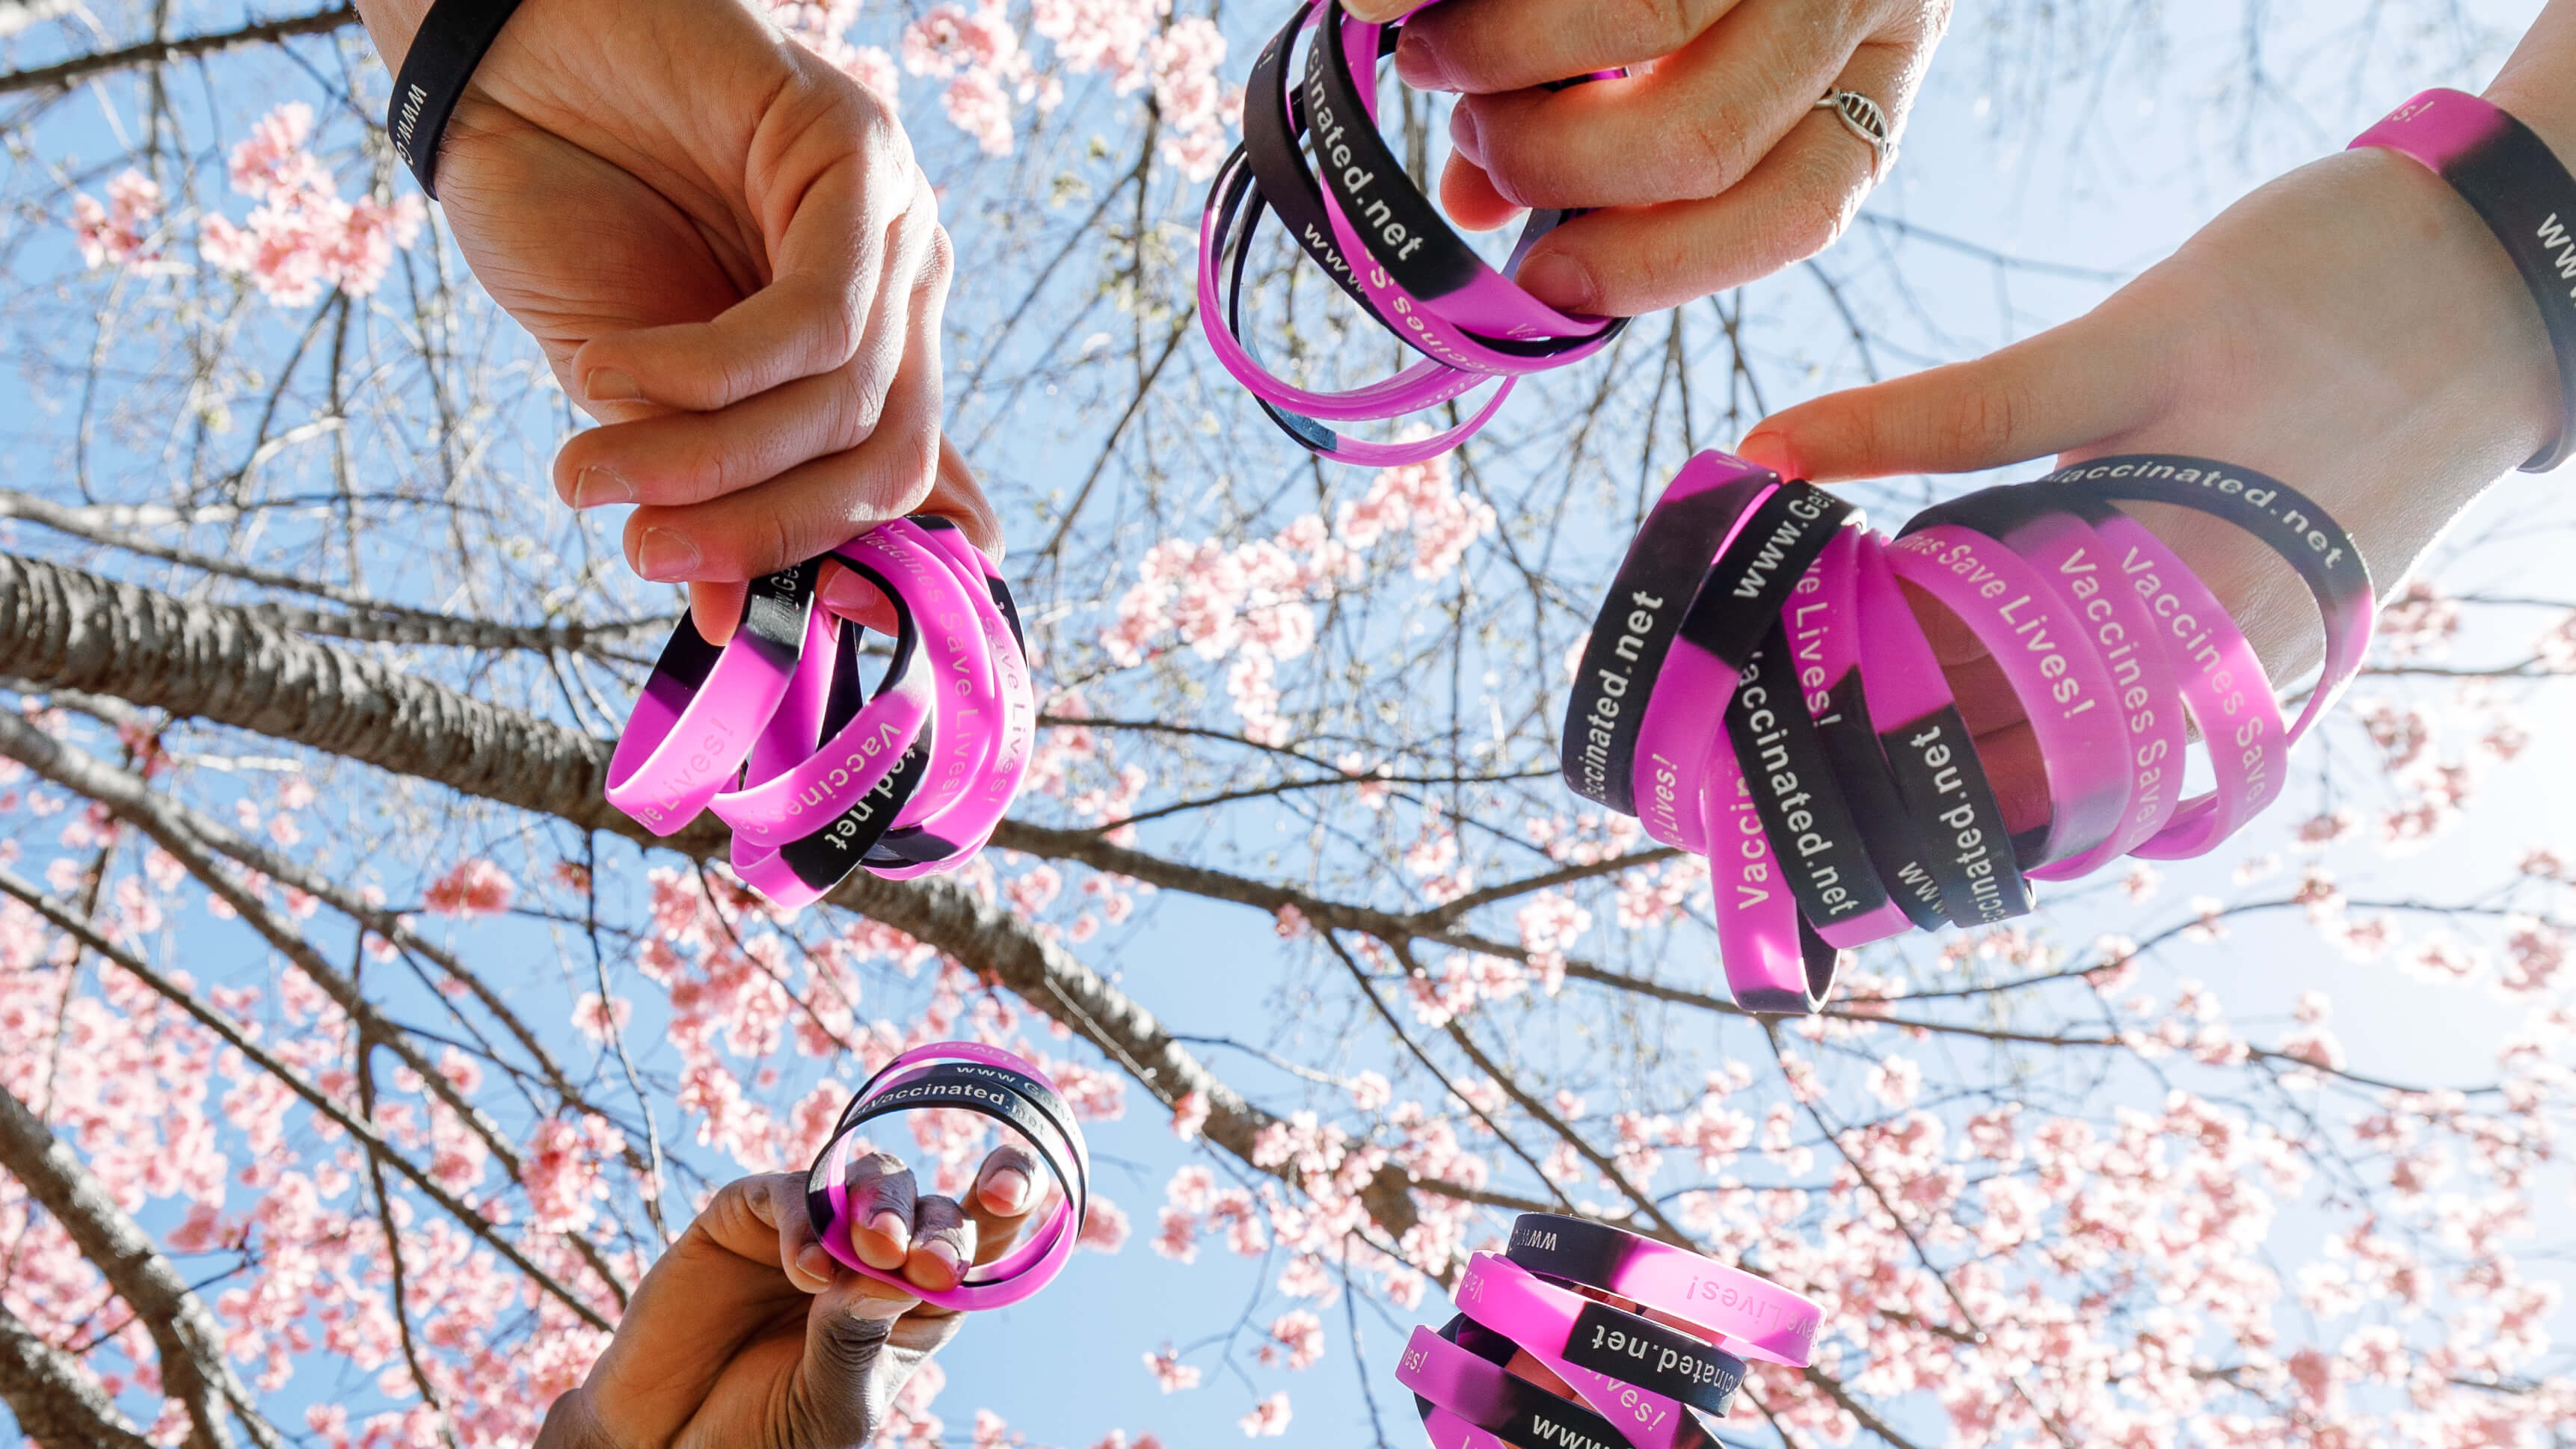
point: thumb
(856, 1361)
(2091, 379)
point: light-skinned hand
(2352, 329)
(1712, 164)
(730, 258)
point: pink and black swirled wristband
(991, 1082)
(2522, 191)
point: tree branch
(153, 52)
(55, 1401)
(193, 1367)
(60, 627)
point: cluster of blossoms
(823, 27)
(1256, 601)
(121, 231)
(300, 236)
(990, 72)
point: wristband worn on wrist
(451, 42)
(2524, 194)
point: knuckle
(878, 1164)
(1654, 27)
(1712, 149)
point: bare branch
(71, 72)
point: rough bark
(56, 1402)
(62, 628)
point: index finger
(1482, 46)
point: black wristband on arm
(453, 38)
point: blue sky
(2107, 172)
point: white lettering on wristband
(1975, 859)
(2554, 237)
(1604, 716)
(2120, 653)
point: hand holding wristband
(779, 735)
(1794, 724)
(972, 1077)
(2523, 193)
(1344, 197)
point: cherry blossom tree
(356, 1058)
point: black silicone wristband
(1380, 201)
(453, 38)
(1666, 566)
(1740, 603)
(2524, 194)
(1795, 791)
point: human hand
(749, 1335)
(729, 257)
(2352, 329)
(1713, 161)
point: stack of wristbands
(1757, 690)
(777, 733)
(1639, 1382)
(991, 1082)
(1312, 157)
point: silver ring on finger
(1864, 118)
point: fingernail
(814, 1263)
(607, 384)
(1009, 1188)
(664, 556)
(947, 1257)
(1462, 133)
(1769, 450)
(1419, 66)
(892, 1228)
(1558, 280)
(595, 486)
(847, 591)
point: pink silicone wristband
(2222, 683)
(1822, 619)
(2076, 562)
(1747, 1314)
(1017, 1275)
(1468, 1391)
(850, 764)
(684, 739)
(1767, 966)
(1684, 702)
(2024, 626)
(971, 820)
(1544, 1319)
